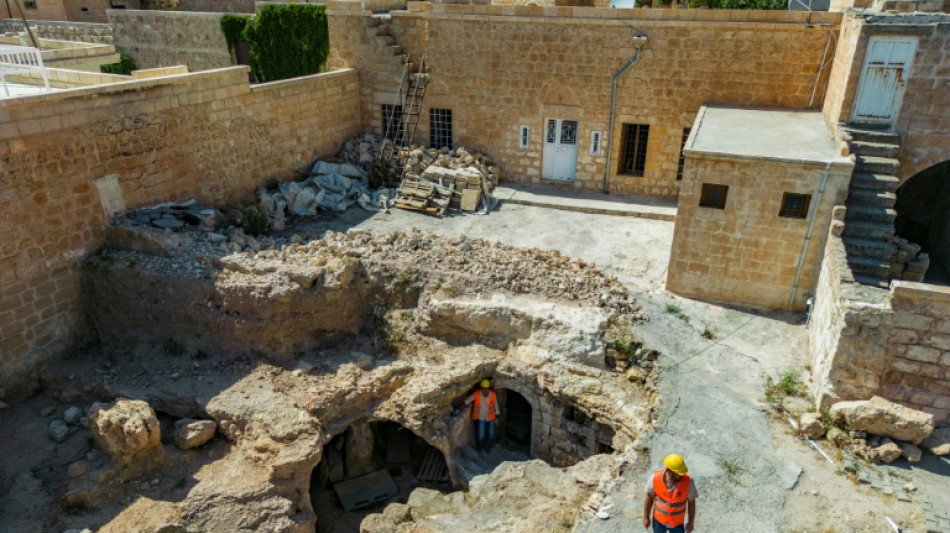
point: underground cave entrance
(368, 466)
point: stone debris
(907, 262)
(878, 416)
(58, 430)
(911, 452)
(125, 429)
(938, 443)
(73, 415)
(190, 433)
(811, 426)
(174, 216)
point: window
(633, 156)
(440, 128)
(682, 162)
(392, 116)
(595, 143)
(794, 205)
(30, 4)
(714, 196)
(523, 137)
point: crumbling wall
(64, 31)
(868, 341)
(163, 38)
(70, 159)
(500, 67)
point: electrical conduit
(811, 226)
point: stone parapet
(167, 38)
(86, 32)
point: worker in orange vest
(671, 494)
(484, 411)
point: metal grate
(440, 128)
(714, 196)
(633, 156)
(794, 205)
(392, 116)
(682, 161)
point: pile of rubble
(907, 262)
(878, 430)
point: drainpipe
(638, 43)
(811, 226)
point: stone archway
(923, 217)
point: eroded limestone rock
(811, 426)
(191, 433)
(878, 416)
(938, 443)
(125, 429)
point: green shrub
(125, 65)
(288, 41)
(233, 28)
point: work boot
(488, 448)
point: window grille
(523, 137)
(392, 116)
(714, 196)
(30, 4)
(682, 161)
(440, 128)
(794, 205)
(633, 156)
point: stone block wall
(208, 136)
(164, 39)
(63, 31)
(746, 253)
(924, 118)
(95, 10)
(500, 67)
(202, 6)
(868, 341)
(45, 10)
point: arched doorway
(923, 218)
(516, 421)
(368, 465)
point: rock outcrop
(125, 429)
(191, 433)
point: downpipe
(811, 226)
(638, 43)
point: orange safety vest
(669, 509)
(478, 403)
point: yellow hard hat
(675, 463)
(486, 383)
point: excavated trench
(335, 369)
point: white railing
(21, 60)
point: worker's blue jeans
(660, 528)
(486, 433)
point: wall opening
(368, 466)
(516, 420)
(923, 218)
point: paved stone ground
(931, 476)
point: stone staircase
(379, 26)
(472, 463)
(869, 219)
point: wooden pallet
(420, 194)
(433, 468)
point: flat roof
(18, 89)
(769, 134)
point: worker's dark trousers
(660, 528)
(485, 432)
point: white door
(560, 150)
(886, 69)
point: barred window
(440, 128)
(794, 205)
(524, 137)
(392, 116)
(633, 155)
(714, 196)
(682, 161)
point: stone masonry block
(934, 340)
(923, 354)
(905, 336)
(913, 321)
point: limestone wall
(95, 10)
(164, 39)
(746, 253)
(203, 6)
(924, 118)
(70, 156)
(45, 10)
(500, 67)
(868, 341)
(64, 31)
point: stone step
(874, 282)
(871, 197)
(871, 248)
(868, 230)
(867, 134)
(387, 40)
(878, 165)
(869, 267)
(870, 213)
(875, 149)
(871, 180)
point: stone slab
(366, 491)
